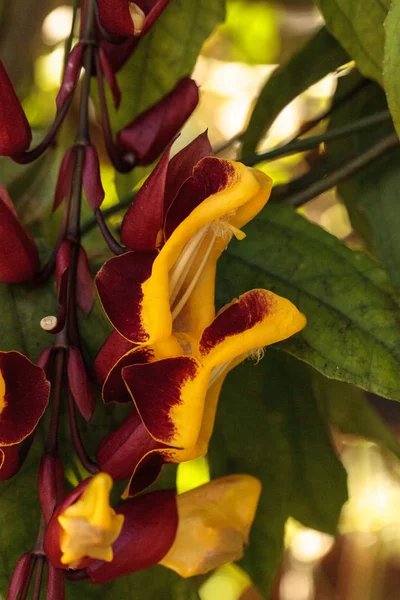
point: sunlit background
(363, 562)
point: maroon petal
(19, 257)
(114, 389)
(21, 573)
(118, 54)
(209, 177)
(152, 9)
(150, 132)
(79, 384)
(111, 351)
(149, 529)
(85, 285)
(23, 399)
(109, 76)
(182, 164)
(9, 461)
(142, 224)
(91, 178)
(15, 133)
(119, 283)
(64, 180)
(122, 450)
(45, 359)
(71, 75)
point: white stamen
(177, 309)
(257, 354)
(182, 266)
(217, 372)
(48, 323)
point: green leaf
(353, 331)
(321, 55)
(250, 436)
(22, 308)
(391, 61)
(371, 196)
(358, 25)
(346, 407)
(268, 426)
(167, 53)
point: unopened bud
(138, 17)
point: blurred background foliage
(315, 536)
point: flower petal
(19, 576)
(143, 222)
(152, 130)
(169, 395)
(9, 461)
(258, 318)
(79, 384)
(217, 188)
(24, 394)
(19, 257)
(111, 351)
(120, 286)
(214, 524)
(182, 164)
(149, 529)
(15, 133)
(115, 17)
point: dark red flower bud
(110, 77)
(148, 532)
(91, 178)
(84, 284)
(150, 133)
(71, 75)
(15, 133)
(79, 384)
(55, 583)
(64, 180)
(45, 359)
(22, 571)
(51, 484)
(9, 461)
(125, 18)
(19, 257)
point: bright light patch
(57, 25)
(309, 545)
(48, 70)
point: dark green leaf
(268, 425)
(391, 62)
(344, 406)
(358, 25)
(353, 331)
(321, 55)
(371, 196)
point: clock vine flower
(190, 533)
(160, 298)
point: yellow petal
(90, 526)
(214, 524)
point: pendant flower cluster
(170, 352)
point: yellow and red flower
(190, 533)
(24, 394)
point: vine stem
(311, 142)
(107, 235)
(343, 172)
(87, 463)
